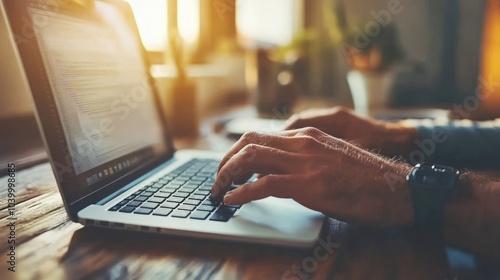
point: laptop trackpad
(285, 215)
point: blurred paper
(239, 126)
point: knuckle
(250, 149)
(265, 180)
(268, 180)
(247, 137)
(311, 131)
(341, 110)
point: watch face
(433, 176)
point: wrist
(399, 198)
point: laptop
(107, 138)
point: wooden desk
(49, 246)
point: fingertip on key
(228, 198)
(215, 191)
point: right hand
(390, 139)
(320, 172)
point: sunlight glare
(188, 20)
(151, 18)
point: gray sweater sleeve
(463, 144)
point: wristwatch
(431, 186)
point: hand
(320, 172)
(390, 139)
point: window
(152, 19)
(268, 22)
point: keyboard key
(176, 199)
(180, 214)
(141, 198)
(159, 185)
(135, 203)
(167, 190)
(156, 199)
(200, 215)
(150, 205)
(198, 197)
(220, 217)
(131, 197)
(187, 207)
(147, 193)
(212, 202)
(186, 190)
(191, 185)
(177, 182)
(127, 209)
(115, 208)
(162, 195)
(192, 202)
(206, 187)
(171, 205)
(199, 192)
(207, 208)
(226, 210)
(121, 203)
(137, 193)
(181, 194)
(162, 212)
(198, 179)
(143, 211)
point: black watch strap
(430, 187)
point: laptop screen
(98, 86)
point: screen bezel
(48, 118)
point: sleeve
(462, 144)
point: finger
(269, 140)
(282, 186)
(302, 119)
(255, 159)
(315, 118)
(242, 179)
(282, 141)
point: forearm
(472, 216)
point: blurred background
(368, 55)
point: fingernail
(215, 190)
(228, 198)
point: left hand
(320, 172)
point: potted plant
(371, 53)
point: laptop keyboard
(183, 193)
